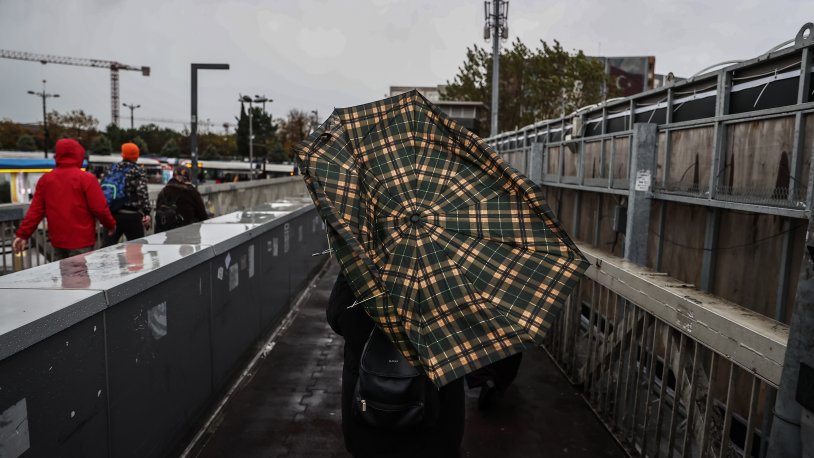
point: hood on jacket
(69, 153)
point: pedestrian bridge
(211, 340)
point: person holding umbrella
(452, 254)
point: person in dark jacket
(72, 200)
(188, 202)
(134, 217)
(441, 441)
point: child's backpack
(113, 187)
(390, 393)
(167, 216)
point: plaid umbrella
(453, 253)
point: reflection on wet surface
(101, 269)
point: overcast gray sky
(318, 54)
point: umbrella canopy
(453, 253)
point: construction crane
(113, 66)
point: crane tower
(113, 66)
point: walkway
(291, 405)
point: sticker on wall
(234, 277)
(14, 430)
(643, 180)
(286, 237)
(157, 320)
(299, 233)
(268, 246)
(251, 261)
(275, 247)
(228, 259)
(244, 262)
(220, 273)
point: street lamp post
(44, 95)
(193, 135)
(131, 107)
(496, 26)
(249, 100)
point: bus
(100, 164)
(20, 171)
(231, 171)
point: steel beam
(642, 171)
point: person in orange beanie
(125, 188)
(71, 200)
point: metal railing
(39, 250)
(671, 371)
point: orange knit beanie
(130, 152)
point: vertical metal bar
(682, 359)
(668, 138)
(612, 160)
(591, 338)
(710, 256)
(803, 91)
(598, 222)
(713, 368)
(750, 422)
(766, 427)
(728, 413)
(561, 164)
(696, 360)
(719, 134)
(651, 375)
(665, 374)
(606, 353)
(660, 239)
(575, 328)
(641, 356)
(577, 219)
(581, 163)
(618, 341)
(630, 365)
(783, 272)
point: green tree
(144, 150)
(26, 143)
(264, 131)
(211, 153)
(101, 145)
(10, 132)
(534, 84)
(293, 130)
(77, 122)
(170, 148)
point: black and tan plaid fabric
(450, 250)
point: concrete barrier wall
(123, 351)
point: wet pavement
(290, 405)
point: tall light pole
(131, 107)
(496, 26)
(250, 101)
(193, 135)
(44, 95)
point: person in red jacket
(71, 199)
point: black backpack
(167, 216)
(390, 393)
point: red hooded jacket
(70, 198)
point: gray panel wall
(138, 378)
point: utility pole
(496, 26)
(131, 107)
(248, 100)
(44, 95)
